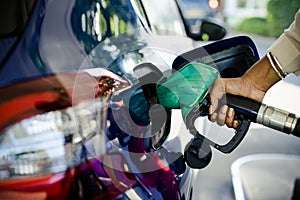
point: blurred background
(263, 21)
(264, 17)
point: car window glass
(14, 15)
(136, 4)
(112, 34)
(102, 19)
(164, 17)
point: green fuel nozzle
(186, 88)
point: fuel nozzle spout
(277, 119)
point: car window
(164, 17)
(14, 15)
(101, 20)
(137, 6)
(113, 34)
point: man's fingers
(213, 117)
(225, 116)
(213, 105)
(216, 94)
(230, 117)
(222, 115)
(235, 124)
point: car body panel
(57, 40)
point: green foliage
(280, 15)
(255, 25)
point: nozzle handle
(202, 110)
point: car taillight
(54, 141)
(49, 126)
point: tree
(280, 14)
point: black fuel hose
(260, 113)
